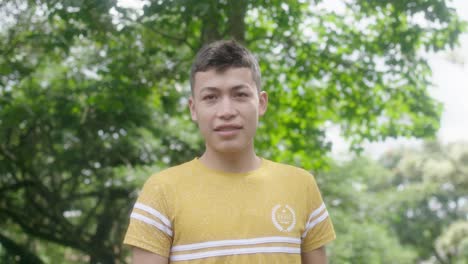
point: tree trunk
(102, 255)
(210, 27)
(236, 22)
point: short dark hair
(222, 55)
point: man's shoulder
(290, 170)
(171, 174)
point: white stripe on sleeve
(316, 212)
(150, 221)
(154, 212)
(314, 223)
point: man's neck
(231, 162)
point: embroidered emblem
(283, 217)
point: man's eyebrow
(239, 87)
(209, 89)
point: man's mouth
(227, 128)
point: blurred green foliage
(409, 207)
(93, 100)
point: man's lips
(228, 127)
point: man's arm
(316, 256)
(141, 256)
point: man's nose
(226, 108)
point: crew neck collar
(198, 163)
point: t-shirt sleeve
(151, 220)
(319, 227)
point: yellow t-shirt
(193, 214)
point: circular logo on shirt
(283, 217)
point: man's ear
(263, 103)
(193, 114)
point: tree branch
(34, 230)
(16, 249)
(16, 186)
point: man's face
(226, 105)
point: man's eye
(242, 95)
(209, 97)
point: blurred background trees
(93, 99)
(410, 206)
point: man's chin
(227, 148)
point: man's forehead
(231, 78)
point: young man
(229, 205)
